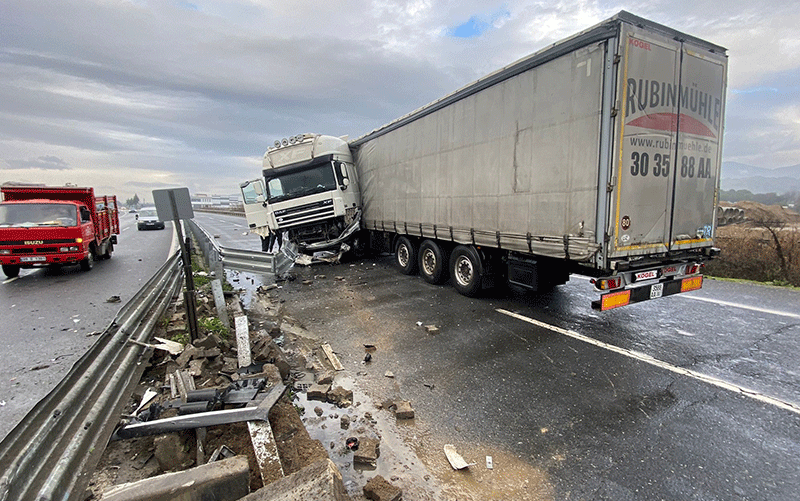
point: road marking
(744, 306)
(789, 406)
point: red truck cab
(55, 226)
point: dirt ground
(304, 430)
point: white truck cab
(309, 189)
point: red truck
(54, 226)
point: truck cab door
(255, 205)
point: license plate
(656, 290)
(32, 259)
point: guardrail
(218, 257)
(51, 453)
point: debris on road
(368, 451)
(334, 360)
(404, 410)
(113, 299)
(455, 459)
(432, 329)
(489, 463)
(389, 374)
(379, 489)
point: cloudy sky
(133, 95)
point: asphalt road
(47, 318)
(695, 396)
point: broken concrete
(340, 396)
(404, 410)
(318, 392)
(379, 489)
(225, 480)
(320, 480)
(368, 451)
(172, 452)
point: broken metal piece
(220, 453)
(149, 395)
(455, 459)
(203, 419)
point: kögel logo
(34, 242)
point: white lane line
(744, 306)
(789, 406)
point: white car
(148, 219)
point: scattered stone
(319, 480)
(432, 329)
(368, 451)
(188, 353)
(171, 453)
(339, 278)
(207, 353)
(404, 410)
(210, 341)
(325, 378)
(318, 410)
(113, 299)
(379, 489)
(344, 422)
(389, 374)
(318, 392)
(308, 282)
(340, 396)
(368, 357)
(196, 367)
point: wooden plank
(332, 357)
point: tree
(133, 202)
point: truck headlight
(72, 248)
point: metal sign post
(175, 204)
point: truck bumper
(631, 295)
(329, 244)
(29, 261)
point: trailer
(599, 155)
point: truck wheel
(11, 270)
(467, 270)
(405, 255)
(432, 263)
(86, 263)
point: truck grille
(38, 250)
(308, 213)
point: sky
(134, 95)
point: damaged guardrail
(51, 453)
(241, 259)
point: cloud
(43, 163)
(193, 92)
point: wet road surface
(47, 317)
(689, 397)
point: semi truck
(598, 155)
(55, 226)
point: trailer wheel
(405, 255)
(11, 270)
(86, 263)
(467, 270)
(432, 262)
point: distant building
(205, 201)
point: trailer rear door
(668, 144)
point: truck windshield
(35, 215)
(315, 179)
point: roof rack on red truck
(55, 226)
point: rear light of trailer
(692, 269)
(605, 284)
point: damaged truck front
(309, 192)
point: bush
(757, 252)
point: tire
(86, 263)
(467, 271)
(432, 263)
(11, 270)
(405, 256)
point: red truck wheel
(11, 270)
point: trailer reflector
(691, 284)
(615, 300)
